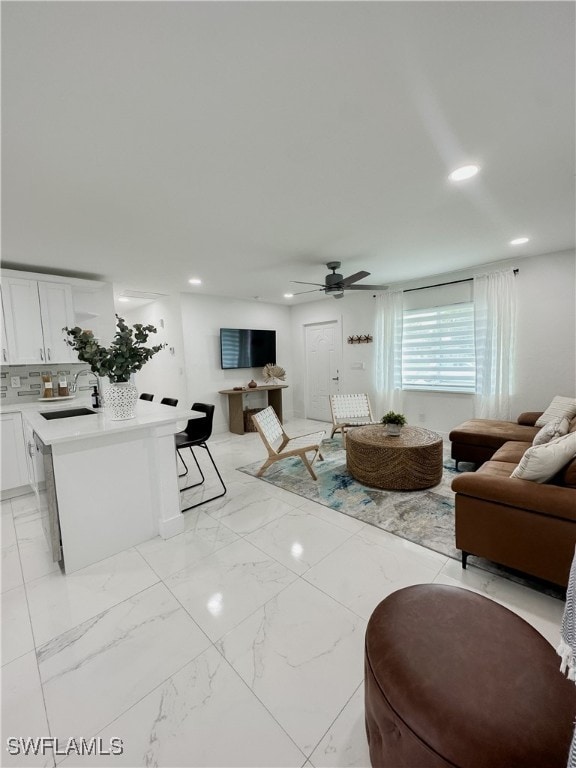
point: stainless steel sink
(68, 413)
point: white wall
(547, 322)
(202, 318)
(546, 357)
(165, 374)
(546, 353)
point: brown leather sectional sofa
(518, 523)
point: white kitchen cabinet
(35, 313)
(57, 311)
(14, 466)
(4, 352)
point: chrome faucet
(74, 386)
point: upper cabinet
(35, 312)
(4, 351)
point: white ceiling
(248, 143)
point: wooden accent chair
(280, 446)
(350, 411)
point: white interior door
(323, 363)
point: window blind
(438, 348)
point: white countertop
(81, 400)
(148, 414)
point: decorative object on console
(273, 373)
(126, 355)
(394, 422)
(252, 384)
(365, 339)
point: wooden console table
(236, 403)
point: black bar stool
(169, 401)
(146, 396)
(197, 433)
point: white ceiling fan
(335, 284)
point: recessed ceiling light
(519, 240)
(463, 173)
(123, 298)
(288, 295)
(195, 281)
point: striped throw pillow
(560, 407)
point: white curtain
(495, 340)
(388, 353)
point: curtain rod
(452, 282)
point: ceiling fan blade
(314, 290)
(354, 278)
(367, 287)
(301, 282)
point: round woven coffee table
(407, 462)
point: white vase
(120, 400)
(393, 429)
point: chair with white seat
(350, 411)
(280, 446)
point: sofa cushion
(567, 475)
(491, 433)
(559, 407)
(541, 462)
(497, 468)
(529, 418)
(511, 452)
(552, 430)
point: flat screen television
(245, 348)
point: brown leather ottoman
(455, 679)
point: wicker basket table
(407, 462)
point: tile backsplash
(31, 380)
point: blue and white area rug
(424, 517)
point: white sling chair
(350, 411)
(280, 446)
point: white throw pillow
(558, 408)
(552, 430)
(541, 462)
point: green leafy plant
(393, 418)
(125, 355)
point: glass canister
(62, 386)
(47, 386)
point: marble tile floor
(237, 643)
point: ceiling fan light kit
(336, 284)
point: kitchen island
(114, 483)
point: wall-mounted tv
(244, 348)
